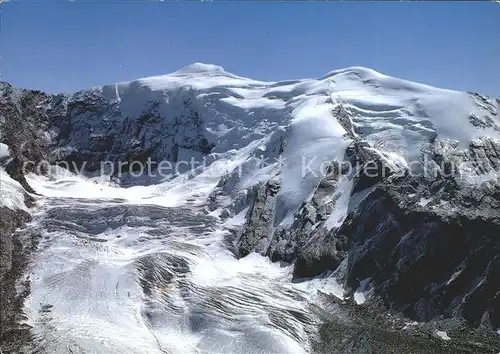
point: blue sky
(65, 46)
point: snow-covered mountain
(387, 187)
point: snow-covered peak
(203, 69)
(396, 117)
(198, 76)
(359, 71)
(203, 109)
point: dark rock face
(85, 130)
(324, 251)
(10, 220)
(425, 262)
(14, 250)
(23, 127)
(429, 245)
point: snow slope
(11, 192)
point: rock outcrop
(23, 139)
(24, 128)
(259, 225)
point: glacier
(266, 241)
